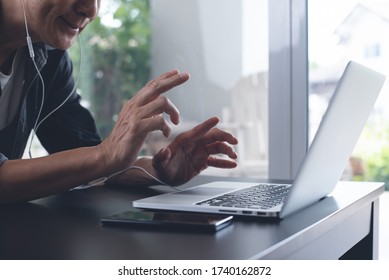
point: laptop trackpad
(204, 191)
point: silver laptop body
(336, 137)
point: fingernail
(184, 75)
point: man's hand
(139, 116)
(193, 151)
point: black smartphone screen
(209, 222)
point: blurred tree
(115, 59)
(374, 153)
(377, 167)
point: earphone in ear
(32, 56)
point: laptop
(321, 169)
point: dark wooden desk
(67, 226)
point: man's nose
(88, 8)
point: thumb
(162, 157)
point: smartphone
(175, 220)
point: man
(35, 82)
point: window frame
(288, 87)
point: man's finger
(221, 148)
(156, 123)
(201, 129)
(221, 163)
(159, 106)
(161, 85)
(217, 135)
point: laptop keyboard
(262, 196)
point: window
(223, 44)
(355, 30)
(373, 50)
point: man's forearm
(27, 179)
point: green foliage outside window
(377, 168)
(375, 153)
(115, 59)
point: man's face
(58, 22)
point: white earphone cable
(102, 180)
(71, 92)
(32, 55)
